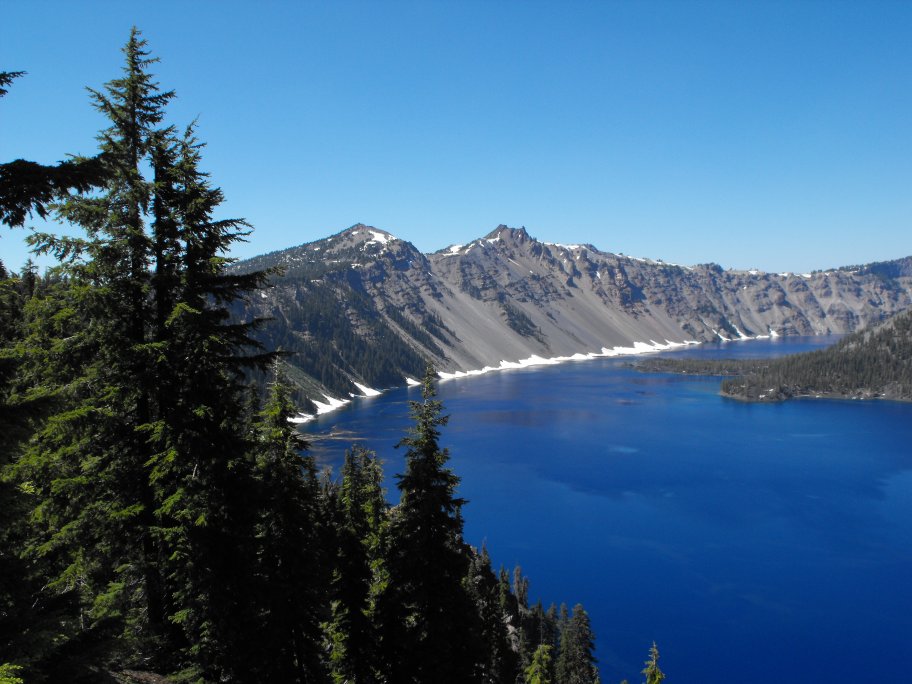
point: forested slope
(868, 364)
(160, 522)
(363, 306)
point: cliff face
(363, 306)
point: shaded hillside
(365, 307)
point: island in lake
(869, 364)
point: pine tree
(539, 670)
(201, 469)
(141, 476)
(102, 531)
(424, 611)
(501, 663)
(576, 662)
(653, 674)
(31, 622)
(291, 592)
(358, 570)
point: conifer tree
(28, 618)
(359, 569)
(576, 662)
(201, 469)
(500, 663)
(424, 611)
(102, 531)
(141, 475)
(654, 675)
(28, 188)
(291, 594)
(539, 670)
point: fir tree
(141, 475)
(102, 375)
(291, 591)
(28, 188)
(359, 569)
(576, 662)
(653, 674)
(539, 670)
(501, 664)
(424, 611)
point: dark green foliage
(141, 471)
(359, 569)
(27, 187)
(329, 326)
(520, 322)
(576, 662)
(92, 351)
(868, 364)
(152, 515)
(427, 617)
(887, 271)
(6, 78)
(291, 597)
(501, 663)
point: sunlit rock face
(374, 309)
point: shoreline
(832, 396)
(638, 348)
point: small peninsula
(869, 364)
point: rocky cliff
(365, 307)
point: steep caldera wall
(365, 307)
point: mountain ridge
(363, 306)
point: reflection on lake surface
(754, 543)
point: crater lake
(754, 543)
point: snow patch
(535, 360)
(741, 335)
(331, 405)
(411, 382)
(378, 237)
(367, 391)
(557, 244)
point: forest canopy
(159, 521)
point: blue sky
(771, 135)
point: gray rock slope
(363, 306)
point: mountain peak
(361, 232)
(504, 231)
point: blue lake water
(753, 543)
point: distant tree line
(868, 364)
(160, 522)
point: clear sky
(771, 135)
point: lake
(754, 543)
